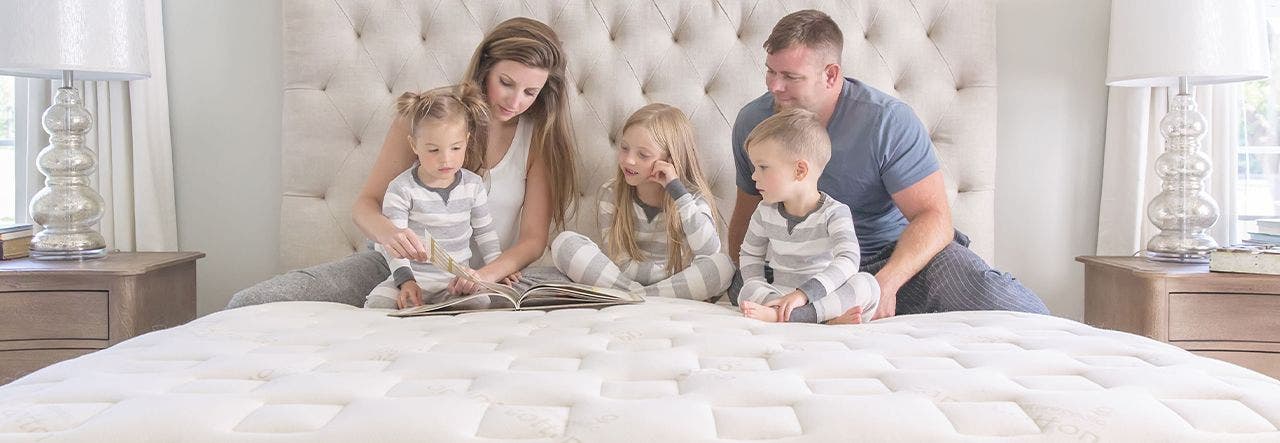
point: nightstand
(1227, 316)
(55, 310)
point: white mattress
(667, 370)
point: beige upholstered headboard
(346, 61)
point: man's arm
(742, 210)
(929, 229)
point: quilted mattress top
(665, 370)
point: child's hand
(788, 302)
(410, 295)
(404, 243)
(662, 173)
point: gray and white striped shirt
(818, 252)
(450, 215)
(651, 235)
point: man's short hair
(798, 132)
(810, 27)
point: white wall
(224, 78)
(1053, 105)
(224, 95)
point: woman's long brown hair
(534, 44)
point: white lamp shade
(1155, 42)
(97, 39)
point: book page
(560, 292)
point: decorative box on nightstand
(55, 310)
(1231, 317)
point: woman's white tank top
(505, 184)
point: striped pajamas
(706, 277)
(451, 216)
(955, 279)
(817, 254)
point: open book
(532, 292)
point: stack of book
(1268, 232)
(1258, 254)
(15, 241)
(1246, 258)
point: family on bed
(841, 213)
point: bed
(665, 370)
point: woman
(521, 67)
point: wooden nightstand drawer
(1224, 317)
(54, 310)
(1253, 360)
(54, 315)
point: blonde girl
(657, 218)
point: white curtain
(1133, 142)
(131, 137)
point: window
(11, 209)
(1257, 193)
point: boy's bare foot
(851, 317)
(759, 311)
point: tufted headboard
(347, 60)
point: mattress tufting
(666, 370)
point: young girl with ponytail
(438, 198)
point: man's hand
(410, 295)
(787, 303)
(929, 229)
(888, 302)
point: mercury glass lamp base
(68, 207)
(1173, 257)
(1183, 210)
(87, 254)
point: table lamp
(1184, 43)
(71, 40)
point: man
(883, 168)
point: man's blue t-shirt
(878, 147)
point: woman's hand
(512, 279)
(662, 173)
(410, 295)
(404, 243)
(462, 286)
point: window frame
(19, 154)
